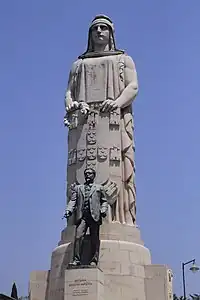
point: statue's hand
(103, 214)
(108, 105)
(72, 106)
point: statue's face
(89, 175)
(100, 34)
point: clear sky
(39, 40)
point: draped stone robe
(103, 141)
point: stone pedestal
(38, 285)
(84, 283)
(125, 263)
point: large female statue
(102, 85)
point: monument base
(85, 283)
(125, 270)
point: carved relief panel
(115, 154)
(102, 153)
(81, 154)
(72, 157)
(115, 118)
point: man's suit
(89, 203)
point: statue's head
(101, 31)
(90, 175)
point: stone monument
(98, 101)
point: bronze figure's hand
(103, 214)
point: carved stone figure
(89, 202)
(102, 85)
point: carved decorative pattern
(72, 157)
(73, 121)
(111, 191)
(91, 136)
(102, 153)
(91, 164)
(95, 106)
(115, 154)
(114, 118)
(81, 154)
(92, 121)
(91, 152)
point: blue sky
(39, 42)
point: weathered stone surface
(102, 86)
(108, 231)
(38, 285)
(86, 283)
(158, 282)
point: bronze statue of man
(89, 203)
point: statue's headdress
(112, 47)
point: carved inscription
(80, 287)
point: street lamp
(194, 268)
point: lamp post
(194, 268)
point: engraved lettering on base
(80, 287)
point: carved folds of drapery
(104, 141)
